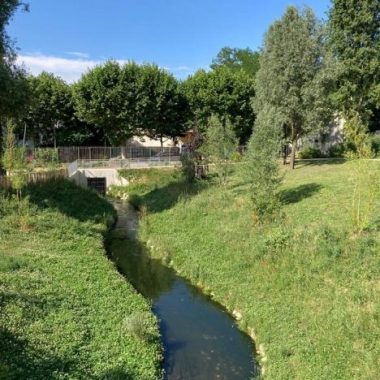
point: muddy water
(201, 340)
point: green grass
(64, 309)
(307, 286)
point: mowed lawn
(64, 309)
(307, 287)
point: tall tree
(261, 167)
(238, 59)
(163, 107)
(50, 107)
(13, 87)
(130, 99)
(13, 90)
(291, 80)
(354, 38)
(224, 93)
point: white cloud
(71, 69)
(78, 54)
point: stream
(201, 340)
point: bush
(375, 145)
(337, 151)
(45, 157)
(311, 152)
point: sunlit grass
(63, 305)
(306, 285)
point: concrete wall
(111, 175)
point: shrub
(219, 146)
(375, 145)
(337, 150)
(311, 152)
(188, 167)
(261, 167)
(45, 157)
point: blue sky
(69, 36)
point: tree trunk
(293, 153)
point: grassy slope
(308, 288)
(63, 306)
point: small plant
(188, 166)
(220, 145)
(364, 177)
(14, 160)
(138, 325)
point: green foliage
(14, 160)
(364, 177)
(222, 92)
(292, 79)
(301, 284)
(355, 43)
(310, 152)
(139, 325)
(188, 166)
(261, 166)
(63, 303)
(337, 150)
(45, 158)
(131, 99)
(219, 145)
(13, 88)
(50, 108)
(238, 59)
(375, 145)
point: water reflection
(201, 340)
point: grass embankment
(65, 312)
(306, 285)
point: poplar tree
(291, 81)
(354, 39)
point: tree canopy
(224, 93)
(291, 80)
(124, 100)
(238, 59)
(354, 38)
(50, 107)
(13, 89)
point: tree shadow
(297, 194)
(19, 360)
(319, 162)
(70, 199)
(164, 198)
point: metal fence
(131, 153)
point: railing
(133, 153)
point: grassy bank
(306, 287)
(65, 312)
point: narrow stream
(201, 340)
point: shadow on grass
(164, 198)
(319, 162)
(71, 200)
(297, 194)
(19, 360)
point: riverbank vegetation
(305, 285)
(64, 310)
